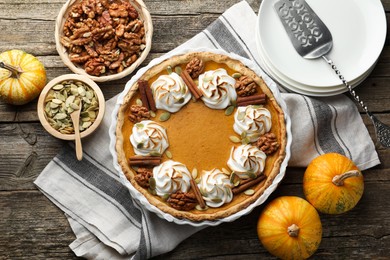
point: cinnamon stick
(246, 184)
(144, 160)
(140, 157)
(146, 95)
(198, 195)
(149, 95)
(142, 90)
(252, 100)
(191, 84)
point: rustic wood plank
(25, 150)
(32, 227)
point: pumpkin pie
(200, 136)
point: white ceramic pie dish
(137, 196)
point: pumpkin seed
(169, 69)
(53, 105)
(86, 100)
(154, 153)
(198, 207)
(86, 124)
(178, 70)
(86, 119)
(229, 110)
(152, 114)
(60, 116)
(58, 87)
(74, 106)
(180, 101)
(92, 114)
(61, 97)
(165, 196)
(165, 116)
(57, 101)
(232, 177)
(245, 140)
(138, 102)
(81, 91)
(139, 125)
(252, 175)
(249, 192)
(152, 183)
(236, 75)
(69, 100)
(194, 173)
(235, 139)
(168, 154)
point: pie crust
(199, 136)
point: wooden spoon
(75, 115)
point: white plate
(142, 200)
(358, 28)
(299, 87)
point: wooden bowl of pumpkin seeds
(64, 95)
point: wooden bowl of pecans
(64, 95)
(103, 39)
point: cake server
(312, 39)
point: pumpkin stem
(15, 71)
(338, 180)
(293, 230)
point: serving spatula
(312, 39)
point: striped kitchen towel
(108, 224)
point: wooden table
(32, 227)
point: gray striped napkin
(108, 224)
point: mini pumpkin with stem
(333, 184)
(290, 228)
(22, 77)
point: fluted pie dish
(200, 137)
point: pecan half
(182, 200)
(142, 177)
(195, 67)
(138, 113)
(268, 143)
(245, 86)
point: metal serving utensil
(312, 39)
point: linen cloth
(108, 224)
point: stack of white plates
(358, 29)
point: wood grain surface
(31, 227)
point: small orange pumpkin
(333, 184)
(290, 228)
(22, 77)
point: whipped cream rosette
(170, 92)
(149, 138)
(217, 88)
(247, 161)
(171, 177)
(216, 188)
(253, 121)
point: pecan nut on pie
(200, 136)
